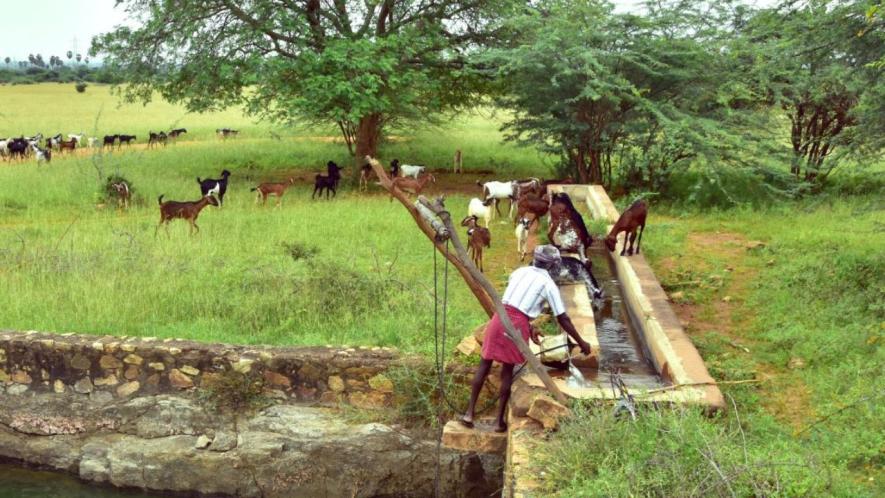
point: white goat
(77, 138)
(4, 148)
(91, 141)
(499, 191)
(410, 170)
(480, 209)
(522, 236)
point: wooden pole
(471, 274)
(481, 295)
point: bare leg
(506, 382)
(475, 388)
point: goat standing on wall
(630, 220)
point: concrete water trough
(679, 374)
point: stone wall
(109, 367)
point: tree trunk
(368, 135)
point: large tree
(360, 64)
(584, 82)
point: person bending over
(527, 289)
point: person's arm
(566, 323)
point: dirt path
(716, 265)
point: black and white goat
(571, 270)
(215, 187)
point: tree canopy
(362, 65)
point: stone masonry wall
(107, 367)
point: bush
(108, 193)
(299, 250)
(80, 87)
(235, 392)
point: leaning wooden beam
(471, 274)
(481, 295)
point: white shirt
(528, 288)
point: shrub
(235, 392)
(299, 250)
(108, 193)
(80, 87)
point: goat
(629, 221)
(499, 191)
(77, 138)
(477, 238)
(156, 138)
(188, 210)
(174, 134)
(522, 236)
(394, 168)
(480, 210)
(127, 139)
(123, 193)
(327, 182)
(108, 140)
(224, 133)
(365, 173)
(413, 171)
(277, 189)
(531, 203)
(412, 185)
(54, 142)
(18, 147)
(91, 141)
(70, 145)
(528, 186)
(215, 187)
(43, 155)
(4, 148)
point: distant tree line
(72, 68)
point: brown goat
(266, 189)
(531, 203)
(477, 238)
(407, 184)
(630, 220)
(187, 210)
(70, 145)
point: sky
(49, 27)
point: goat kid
(477, 238)
(522, 236)
(628, 222)
(123, 193)
(188, 210)
(43, 155)
(269, 188)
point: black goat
(211, 186)
(127, 139)
(327, 182)
(109, 140)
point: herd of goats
(528, 197)
(41, 149)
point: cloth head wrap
(546, 256)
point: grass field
(803, 312)
(69, 264)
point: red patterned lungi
(497, 346)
